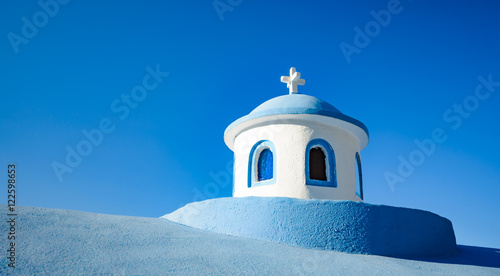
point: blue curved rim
(296, 104)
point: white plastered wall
(290, 139)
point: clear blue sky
(68, 71)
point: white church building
(297, 146)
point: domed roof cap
(295, 103)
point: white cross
(293, 80)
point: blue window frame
(262, 164)
(320, 164)
(359, 177)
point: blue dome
(296, 104)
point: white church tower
(297, 146)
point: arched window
(359, 177)
(320, 164)
(262, 164)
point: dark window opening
(265, 165)
(317, 164)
